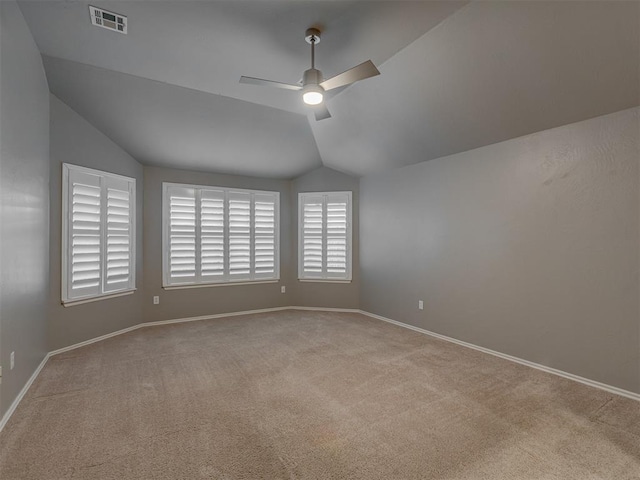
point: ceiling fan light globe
(312, 94)
(312, 98)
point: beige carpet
(308, 395)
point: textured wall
(321, 294)
(191, 302)
(528, 247)
(24, 203)
(74, 140)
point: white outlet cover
(283, 289)
(156, 300)
(12, 360)
(420, 305)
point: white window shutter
(265, 235)
(219, 235)
(119, 239)
(212, 227)
(337, 225)
(240, 227)
(324, 251)
(84, 241)
(181, 235)
(98, 247)
(312, 236)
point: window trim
(120, 293)
(67, 168)
(219, 284)
(167, 285)
(324, 278)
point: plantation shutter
(181, 235)
(337, 236)
(212, 227)
(265, 235)
(219, 235)
(119, 244)
(313, 234)
(325, 236)
(98, 226)
(84, 235)
(240, 229)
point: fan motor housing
(313, 76)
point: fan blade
(321, 112)
(364, 70)
(268, 83)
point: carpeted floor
(310, 395)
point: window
(98, 233)
(324, 236)
(214, 235)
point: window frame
(67, 297)
(325, 277)
(225, 279)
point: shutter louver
(265, 235)
(85, 237)
(239, 234)
(182, 235)
(212, 233)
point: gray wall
(193, 302)
(74, 140)
(24, 203)
(319, 294)
(529, 247)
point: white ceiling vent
(110, 20)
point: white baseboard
(18, 399)
(163, 322)
(326, 309)
(211, 317)
(570, 376)
(95, 340)
(537, 366)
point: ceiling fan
(313, 86)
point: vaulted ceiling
(454, 76)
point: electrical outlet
(12, 360)
(156, 300)
(420, 305)
(283, 289)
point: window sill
(225, 284)
(80, 301)
(322, 280)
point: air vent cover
(109, 20)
